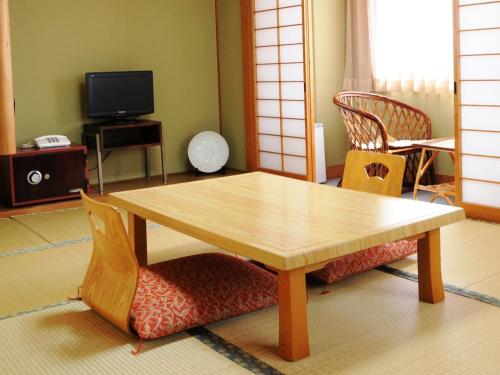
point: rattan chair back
(373, 119)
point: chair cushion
(182, 293)
(365, 260)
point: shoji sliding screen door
(277, 94)
(477, 108)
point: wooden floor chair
(168, 297)
(358, 175)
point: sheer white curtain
(358, 74)
(412, 45)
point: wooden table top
(442, 144)
(283, 222)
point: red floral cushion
(182, 293)
(365, 260)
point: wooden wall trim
(7, 121)
(217, 47)
(307, 22)
(247, 37)
(478, 212)
(458, 102)
(334, 171)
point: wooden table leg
(430, 283)
(419, 173)
(138, 239)
(293, 332)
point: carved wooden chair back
(363, 171)
(111, 280)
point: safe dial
(34, 177)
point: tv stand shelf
(109, 136)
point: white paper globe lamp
(208, 152)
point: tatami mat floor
(16, 236)
(372, 323)
(71, 339)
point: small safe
(36, 176)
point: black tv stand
(109, 136)
(121, 121)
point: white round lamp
(208, 152)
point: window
(412, 45)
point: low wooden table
(291, 226)
(435, 146)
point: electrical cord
(103, 160)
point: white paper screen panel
(480, 42)
(294, 146)
(268, 73)
(479, 76)
(480, 143)
(292, 90)
(292, 53)
(481, 118)
(294, 110)
(290, 16)
(482, 193)
(266, 19)
(291, 34)
(295, 164)
(294, 128)
(279, 59)
(264, 5)
(268, 90)
(270, 161)
(269, 125)
(266, 55)
(266, 37)
(288, 3)
(270, 143)
(480, 93)
(268, 108)
(292, 72)
(480, 16)
(481, 168)
(480, 67)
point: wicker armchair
(378, 123)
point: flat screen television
(119, 95)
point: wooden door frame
(7, 120)
(250, 95)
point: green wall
(231, 78)
(54, 42)
(329, 58)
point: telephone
(52, 141)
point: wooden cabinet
(36, 176)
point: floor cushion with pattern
(364, 260)
(182, 293)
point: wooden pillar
(7, 122)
